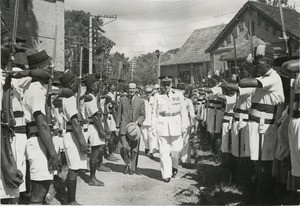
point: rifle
(79, 115)
(49, 90)
(8, 121)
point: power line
(176, 25)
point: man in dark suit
(131, 109)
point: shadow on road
(151, 173)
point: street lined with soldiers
(85, 123)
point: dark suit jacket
(130, 112)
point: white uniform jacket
(170, 114)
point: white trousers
(294, 140)
(149, 138)
(169, 148)
(18, 146)
(185, 152)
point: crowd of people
(252, 122)
(50, 116)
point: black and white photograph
(150, 102)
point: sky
(144, 26)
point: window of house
(241, 26)
(229, 38)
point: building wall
(261, 28)
(37, 25)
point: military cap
(166, 78)
(89, 80)
(38, 59)
(67, 78)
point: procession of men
(251, 120)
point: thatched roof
(271, 13)
(193, 50)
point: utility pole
(157, 52)
(113, 17)
(90, 45)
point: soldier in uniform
(215, 111)
(240, 136)
(97, 133)
(266, 97)
(188, 105)
(148, 137)
(293, 66)
(40, 150)
(172, 122)
(75, 143)
(11, 177)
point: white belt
(260, 114)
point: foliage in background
(77, 34)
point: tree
(77, 33)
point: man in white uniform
(293, 66)
(267, 96)
(43, 158)
(189, 107)
(150, 140)
(172, 122)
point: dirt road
(138, 189)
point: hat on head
(156, 86)
(148, 89)
(133, 131)
(208, 76)
(89, 80)
(277, 66)
(166, 78)
(216, 75)
(67, 78)
(265, 51)
(38, 59)
(247, 66)
(181, 86)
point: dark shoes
(166, 180)
(147, 151)
(174, 172)
(151, 156)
